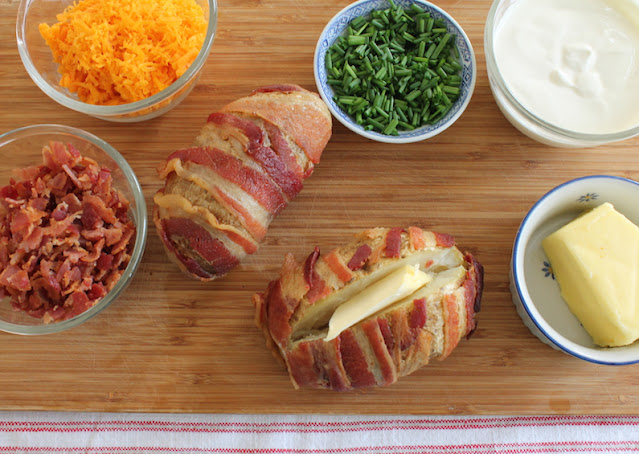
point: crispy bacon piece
(451, 325)
(211, 251)
(280, 145)
(280, 310)
(317, 286)
(249, 161)
(395, 341)
(299, 114)
(232, 169)
(309, 267)
(283, 301)
(15, 278)
(359, 258)
(60, 228)
(444, 239)
(301, 364)
(473, 287)
(328, 361)
(381, 342)
(335, 263)
(394, 242)
(355, 363)
(416, 236)
(284, 88)
(286, 178)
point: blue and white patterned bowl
(534, 289)
(338, 24)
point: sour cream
(573, 63)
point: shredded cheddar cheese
(113, 52)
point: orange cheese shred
(114, 52)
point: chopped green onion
(395, 69)
(349, 70)
(403, 72)
(376, 124)
(456, 66)
(390, 128)
(441, 45)
(421, 49)
(406, 126)
(412, 95)
(451, 90)
(355, 40)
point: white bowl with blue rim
(338, 25)
(533, 286)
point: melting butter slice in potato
(383, 293)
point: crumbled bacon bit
(359, 258)
(65, 237)
(317, 286)
(394, 242)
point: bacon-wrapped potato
(297, 311)
(246, 165)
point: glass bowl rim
(495, 77)
(141, 226)
(121, 109)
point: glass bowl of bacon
(73, 227)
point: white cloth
(101, 433)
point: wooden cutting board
(174, 345)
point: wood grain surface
(174, 345)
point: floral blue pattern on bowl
(547, 270)
(338, 25)
(589, 197)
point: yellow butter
(595, 259)
(397, 285)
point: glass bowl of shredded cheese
(118, 60)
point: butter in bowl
(573, 273)
(593, 258)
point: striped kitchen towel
(102, 433)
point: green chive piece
(354, 40)
(441, 45)
(349, 69)
(412, 95)
(405, 125)
(390, 128)
(451, 90)
(395, 69)
(421, 49)
(376, 124)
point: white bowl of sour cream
(566, 72)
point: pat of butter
(595, 259)
(397, 285)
